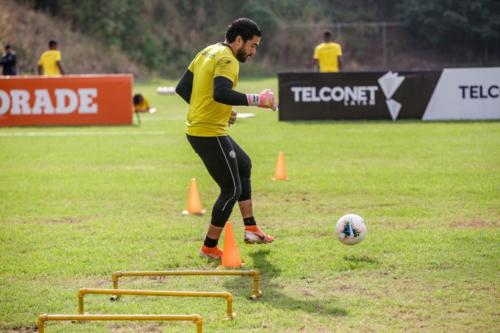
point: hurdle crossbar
(222, 294)
(195, 318)
(256, 292)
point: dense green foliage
(163, 35)
(463, 26)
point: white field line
(80, 133)
(163, 118)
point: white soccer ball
(351, 229)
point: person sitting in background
(327, 55)
(50, 61)
(8, 61)
(141, 104)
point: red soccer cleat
(253, 234)
(211, 252)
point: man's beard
(241, 56)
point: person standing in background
(327, 55)
(8, 61)
(50, 61)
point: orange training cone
(194, 201)
(231, 255)
(280, 170)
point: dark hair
(52, 43)
(7, 46)
(244, 27)
(327, 35)
(137, 99)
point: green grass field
(77, 203)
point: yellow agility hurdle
(197, 319)
(256, 292)
(222, 294)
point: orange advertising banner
(66, 100)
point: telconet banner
(452, 94)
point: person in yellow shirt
(327, 55)
(50, 61)
(208, 87)
(141, 104)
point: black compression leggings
(230, 167)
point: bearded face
(241, 55)
(248, 49)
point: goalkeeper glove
(265, 99)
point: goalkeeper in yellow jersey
(208, 87)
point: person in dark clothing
(8, 61)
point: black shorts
(230, 167)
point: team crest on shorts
(232, 154)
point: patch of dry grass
(29, 33)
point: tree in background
(164, 35)
(466, 28)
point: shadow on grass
(271, 291)
(361, 259)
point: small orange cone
(231, 255)
(194, 201)
(280, 170)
